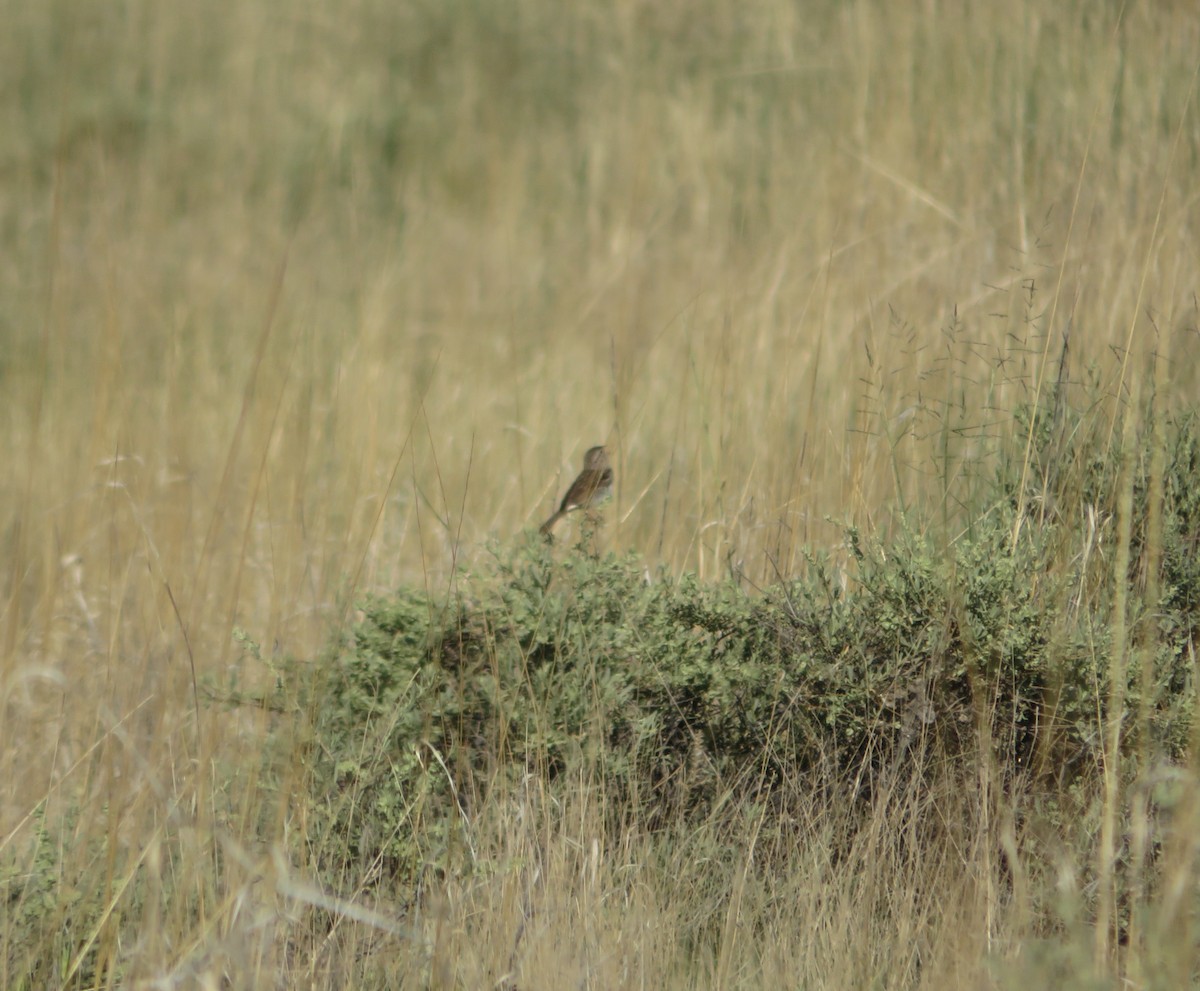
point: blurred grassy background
(305, 299)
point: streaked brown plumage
(592, 487)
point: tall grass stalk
(1114, 697)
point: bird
(593, 485)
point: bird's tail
(546, 527)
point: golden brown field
(302, 301)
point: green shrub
(670, 693)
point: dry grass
(304, 300)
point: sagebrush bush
(672, 692)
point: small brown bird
(591, 488)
